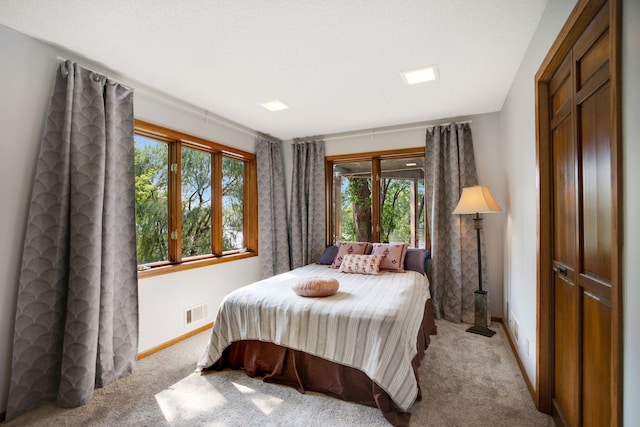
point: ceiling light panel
(420, 76)
(274, 105)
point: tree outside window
(190, 198)
(398, 214)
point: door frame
(579, 19)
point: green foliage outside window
(401, 210)
(395, 223)
(232, 204)
(196, 202)
(152, 190)
(358, 196)
(152, 201)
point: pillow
(315, 286)
(345, 248)
(361, 264)
(394, 254)
(328, 255)
(414, 260)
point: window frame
(375, 157)
(176, 141)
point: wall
(518, 139)
(486, 139)
(28, 70)
(631, 160)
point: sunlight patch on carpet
(264, 402)
(243, 388)
(189, 398)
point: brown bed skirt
(302, 371)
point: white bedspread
(371, 323)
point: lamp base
(480, 309)
(480, 320)
(480, 330)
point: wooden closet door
(565, 245)
(595, 212)
(582, 229)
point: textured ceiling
(335, 63)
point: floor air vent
(195, 313)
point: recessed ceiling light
(274, 105)
(420, 76)
(411, 164)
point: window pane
(421, 214)
(152, 224)
(196, 202)
(402, 201)
(232, 204)
(352, 201)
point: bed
(362, 344)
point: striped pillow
(361, 264)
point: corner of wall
(518, 141)
(631, 252)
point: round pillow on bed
(315, 286)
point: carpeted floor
(466, 379)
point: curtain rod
(451, 122)
(268, 137)
(170, 100)
(308, 139)
(390, 129)
(61, 59)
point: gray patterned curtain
(272, 210)
(450, 166)
(307, 211)
(76, 322)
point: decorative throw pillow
(394, 254)
(328, 255)
(414, 259)
(316, 286)
(361, 264)
(350, 248)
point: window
(387, 208)
(195, 201)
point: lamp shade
(474, 200)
